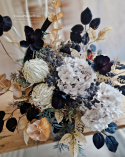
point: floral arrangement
(64, 87)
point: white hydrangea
(75, 76)
(108, 107)
(42, 95)
(35, 70)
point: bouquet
(64, 87)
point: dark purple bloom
(33, 39)
(102, 64)
(59, 99)
(5, 24)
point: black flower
(33, 38)
(5, 24)
(59, 99)
(102, 64)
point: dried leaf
(52, 17)
(22, 123)
(66, 138)
(7, 83)
(59, 116)
(57, 26)
(74, 53)
(17, 93)
(2, 77)
(80, 137)
(103, 33)
(59, 15)
(56, 3)
(74, 148)
(92, 34)
(26, 137)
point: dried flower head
(106, 107)
(42, 95)
(75, 76)
(35, 70)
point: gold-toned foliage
(66, 138)
(59, 116)
(55, 4)
(74, 148)
(5, 84)
(17, 92)
(102, 34)
(80, 137)
(75, 53)
(92, 34)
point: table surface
(14, 141)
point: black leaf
(94, 24)
(7, 23)
(32, 113)
(11, 124)
(120, 67)
(85, 38)
(86, 16)
(98, 140)
(77, 28)
(122, 88)
(112, 127)
(121, 79)
(45, 25)
(28, 55)
(24, 108)
(2, 114)
(1, 125)
(76, 37)
(111, 143)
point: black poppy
(33, 39)
(59, 100)
(102, 64)
(5, 24)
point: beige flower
(39, 130)
(42, 95)
(35, 70)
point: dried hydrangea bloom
(35, 70)
(42, 95)
(75, 76)
(107, 107)
(39, 130)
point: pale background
(111, 13)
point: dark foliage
(98, 140)
(32, 113)
(1, 125)
(24, 108)
(76, 37)
(86, 16)
(112, 127)
(5, 24)
(11, 124)
(111, 143)
(77, 28)
(2, 114)
(85, 38)
(94, 24)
